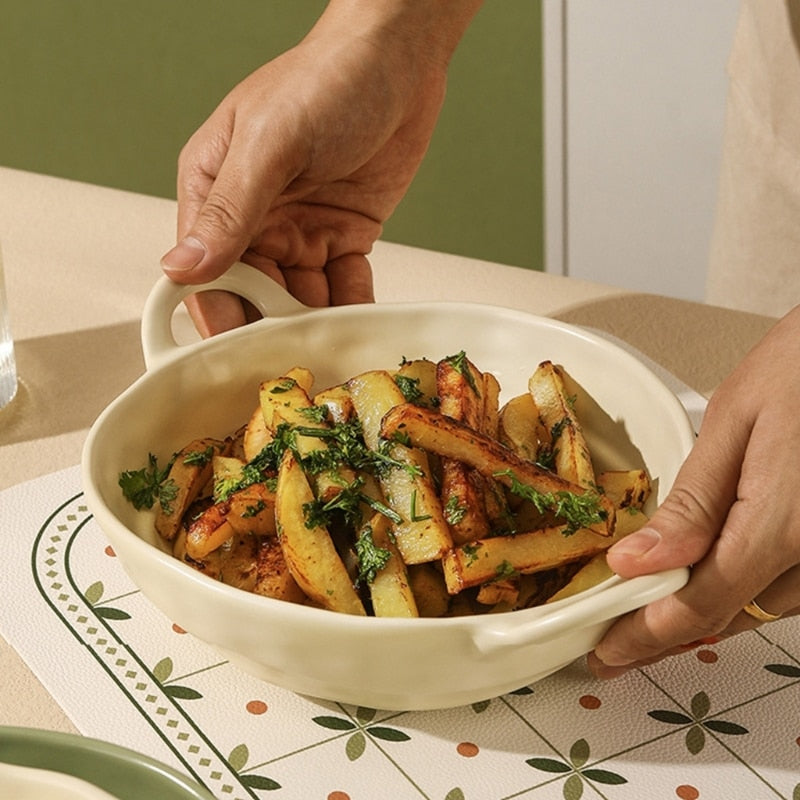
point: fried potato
(596, 569)
(626, 488)
(520, 428)
(439, 434)
(256, 435)
(284, 400)
(338, 402)
(422, 534)
(190, 472)
(273, 578)
(570, 453)
(504, 556)
(309, 552)
(460, 388)
(390, 589)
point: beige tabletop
(80, 260)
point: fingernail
(637, 544)
(186, 255)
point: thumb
(688, 522)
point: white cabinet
(634, 108)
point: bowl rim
(563, 610)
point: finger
(350, 280)
(214, 312)
(239, 199)
(781, 598)
(689, 520)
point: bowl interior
(630, 418)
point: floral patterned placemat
(720, 722)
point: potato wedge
(190, 472)
(252, 510)
(423, 534)
(520, 428)
(256, 435)
(501, 557)
(570, 453)
(273, 578)
(626, 488)
(338, 402)
(284, 400)
(390, 590)
(310, 553)
(439, 434)
(460, 387)
(209, 531)
(596, 570)
(417, 380)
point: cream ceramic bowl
(210, 388)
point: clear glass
(8, 366)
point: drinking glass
(8, 366)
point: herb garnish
(454, 511)
(143, 487)
(371, 558)
(579, 510)
(410, 389)
(460, 364)
(199, 458)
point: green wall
(107, 92)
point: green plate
(121, 772)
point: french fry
(520, 428)
(284, 400)
(504, 590)
(430, 592)
(310, 554)
(390, 590)
(190, 471)
(571, 457)
(338, 402)
(273, 578)
(417, 381)
(439, 434)
(505, 556)
(626, 488)
(422, 534)
(460, 389)
(256, 435)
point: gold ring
(756, 612)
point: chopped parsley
(454, 511)
(410, 389)
(579, 510)
(143, 487)
(371, 558)
(199, 458)
(460, 363)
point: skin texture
(733, 513)
(300, 165)
(295, 173)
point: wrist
(429, 29)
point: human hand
(300, 165)
(733, 514)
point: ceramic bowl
(210, 388)
(48, 764)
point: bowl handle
(158, 341)
(581, 612)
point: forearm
(427, 29)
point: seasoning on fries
(400, 493)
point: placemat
(720, 722)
